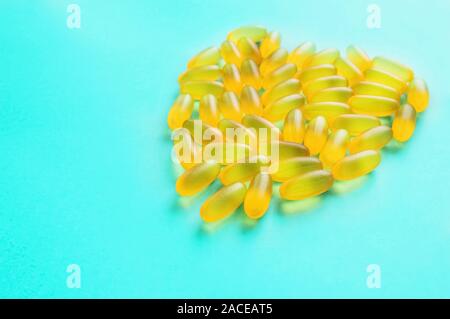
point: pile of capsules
(334, 114)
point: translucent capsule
(273, 61)
(418, 95)
(307, 185)
(316, 72)
(265, 130)
(294, 126)
(188, 153)
(288, 150)
(240, 172)
(270, 44)
(373, 105)
(254, 32)
(316, 135)
(251, 101)
(356, 165)
(329, 110)
(197, 178)
(404, 123)
(236, 132)
(338, 94)
(402, 71)
(317, 85)
(226, 153)
(348, 70)
(208, 56)
(249, 50)
(327, 56)
(204, 73)
(250, 74)
(359, 58)
(386, 78)
(376, 89)
(283, 73)
(232, 78)
(285, 88)
(280, 108)
(373, 139)
(257, 199)
(300, 55)
(355, 124)
(202, 132)
(181, 111)
(296, 166)
(230, 53)
(209, 110)
(335, 148)
(197, 89)
(230, 106)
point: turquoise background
(86, 176)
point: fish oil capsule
(181, 111)
(203, 133)
(250, 101)
(230, 106)
(316, 72)
(264, 129)
(250, 74)
(236, 132)
(294, 126)
(374, 139)
(205, 73)
(257, 199)
(355, 124)
(270, 44)
(208, 56)
(288, 150)
(232, 78)
(404, 123)
(386, 78)
(373, 105)
(285, 88)
(296, 166)
(188, 153)
(197, 178)
(317, 85)
(273, 61)
(230, 53)
(316, 135)
(329, 110)
(300, 55)
(249, 50)
(327, 56)
(226, 153)
(307, 185)
(418, 95)
(254, 32)
(335, 148)
(356, 165)
(240, 172)
(339, 94)
(197, 89)
(283, 73)
(280, 108)
(402, 71)
(223, 203)
(348, 70)
(209, 110)
(375, 89)
(359, 58)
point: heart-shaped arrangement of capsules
(252, 114)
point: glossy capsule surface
(312, 87)
(306, 185)
(386, 78)
(375, 89)
(326, 56)
(288, 150)
(197, 178)
(254, 32)
(296, 166)
(316, 135)
(402, 71)
(270, 44)
(197, 89)
(265, 130)
(294, 126)
(205, 73)
(300, 55)
(373, 105)
(249, 50)
(404, 123)
(251, 101)
(259, 193)
(356, 165)
(250, 74)
(240, 172)
(188, 152)
(209, 110)
(180, 111)
(348, 70)
(226, 152)
(355, 124)
(230, 106)
(285, 88)
(209, 56)
(203, 133)
(236, 132)
(418, 95)
(232, 78)
(273, 61)
(359, 58)
(373, 139)
(316, 72)
(283, 73)
(338, 94)
(230, 53)
(335, 148)
(329, 110)
(280, 108)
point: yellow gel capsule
(197, 178)
(197, 89)
(374, 139)
(223, 203)
(226, 153)
(249, 50)
(294, 126)
(209, 56)
(254, 32)
(283, 73)
(359, 58)
(418, 95)
(288, 150)
(404, 123)
(204, 73)
(316, 135)
(329, 110)
(230, 53)
(373, 105)
(236, 132)
(300, 55)
(339, 94)
(181, 111)
(386, 78)
(240, 172)
(356, 165)
(250, 74)
(316, 72)
(280, 108)
(355, 124)
(270, 44)
(190, 153)
(230, 106)
(274, 61)
(348, 70)
(376, 89)
(285, 88)
(257, 199)
(250, 101)
(317, 85)
(232, 78)
(209, 110)
(202, 132)
(264, 129)
(296, 166)
(307, 185)
(402, 71)
(335, 148)
(327, 56)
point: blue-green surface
(86, 176)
